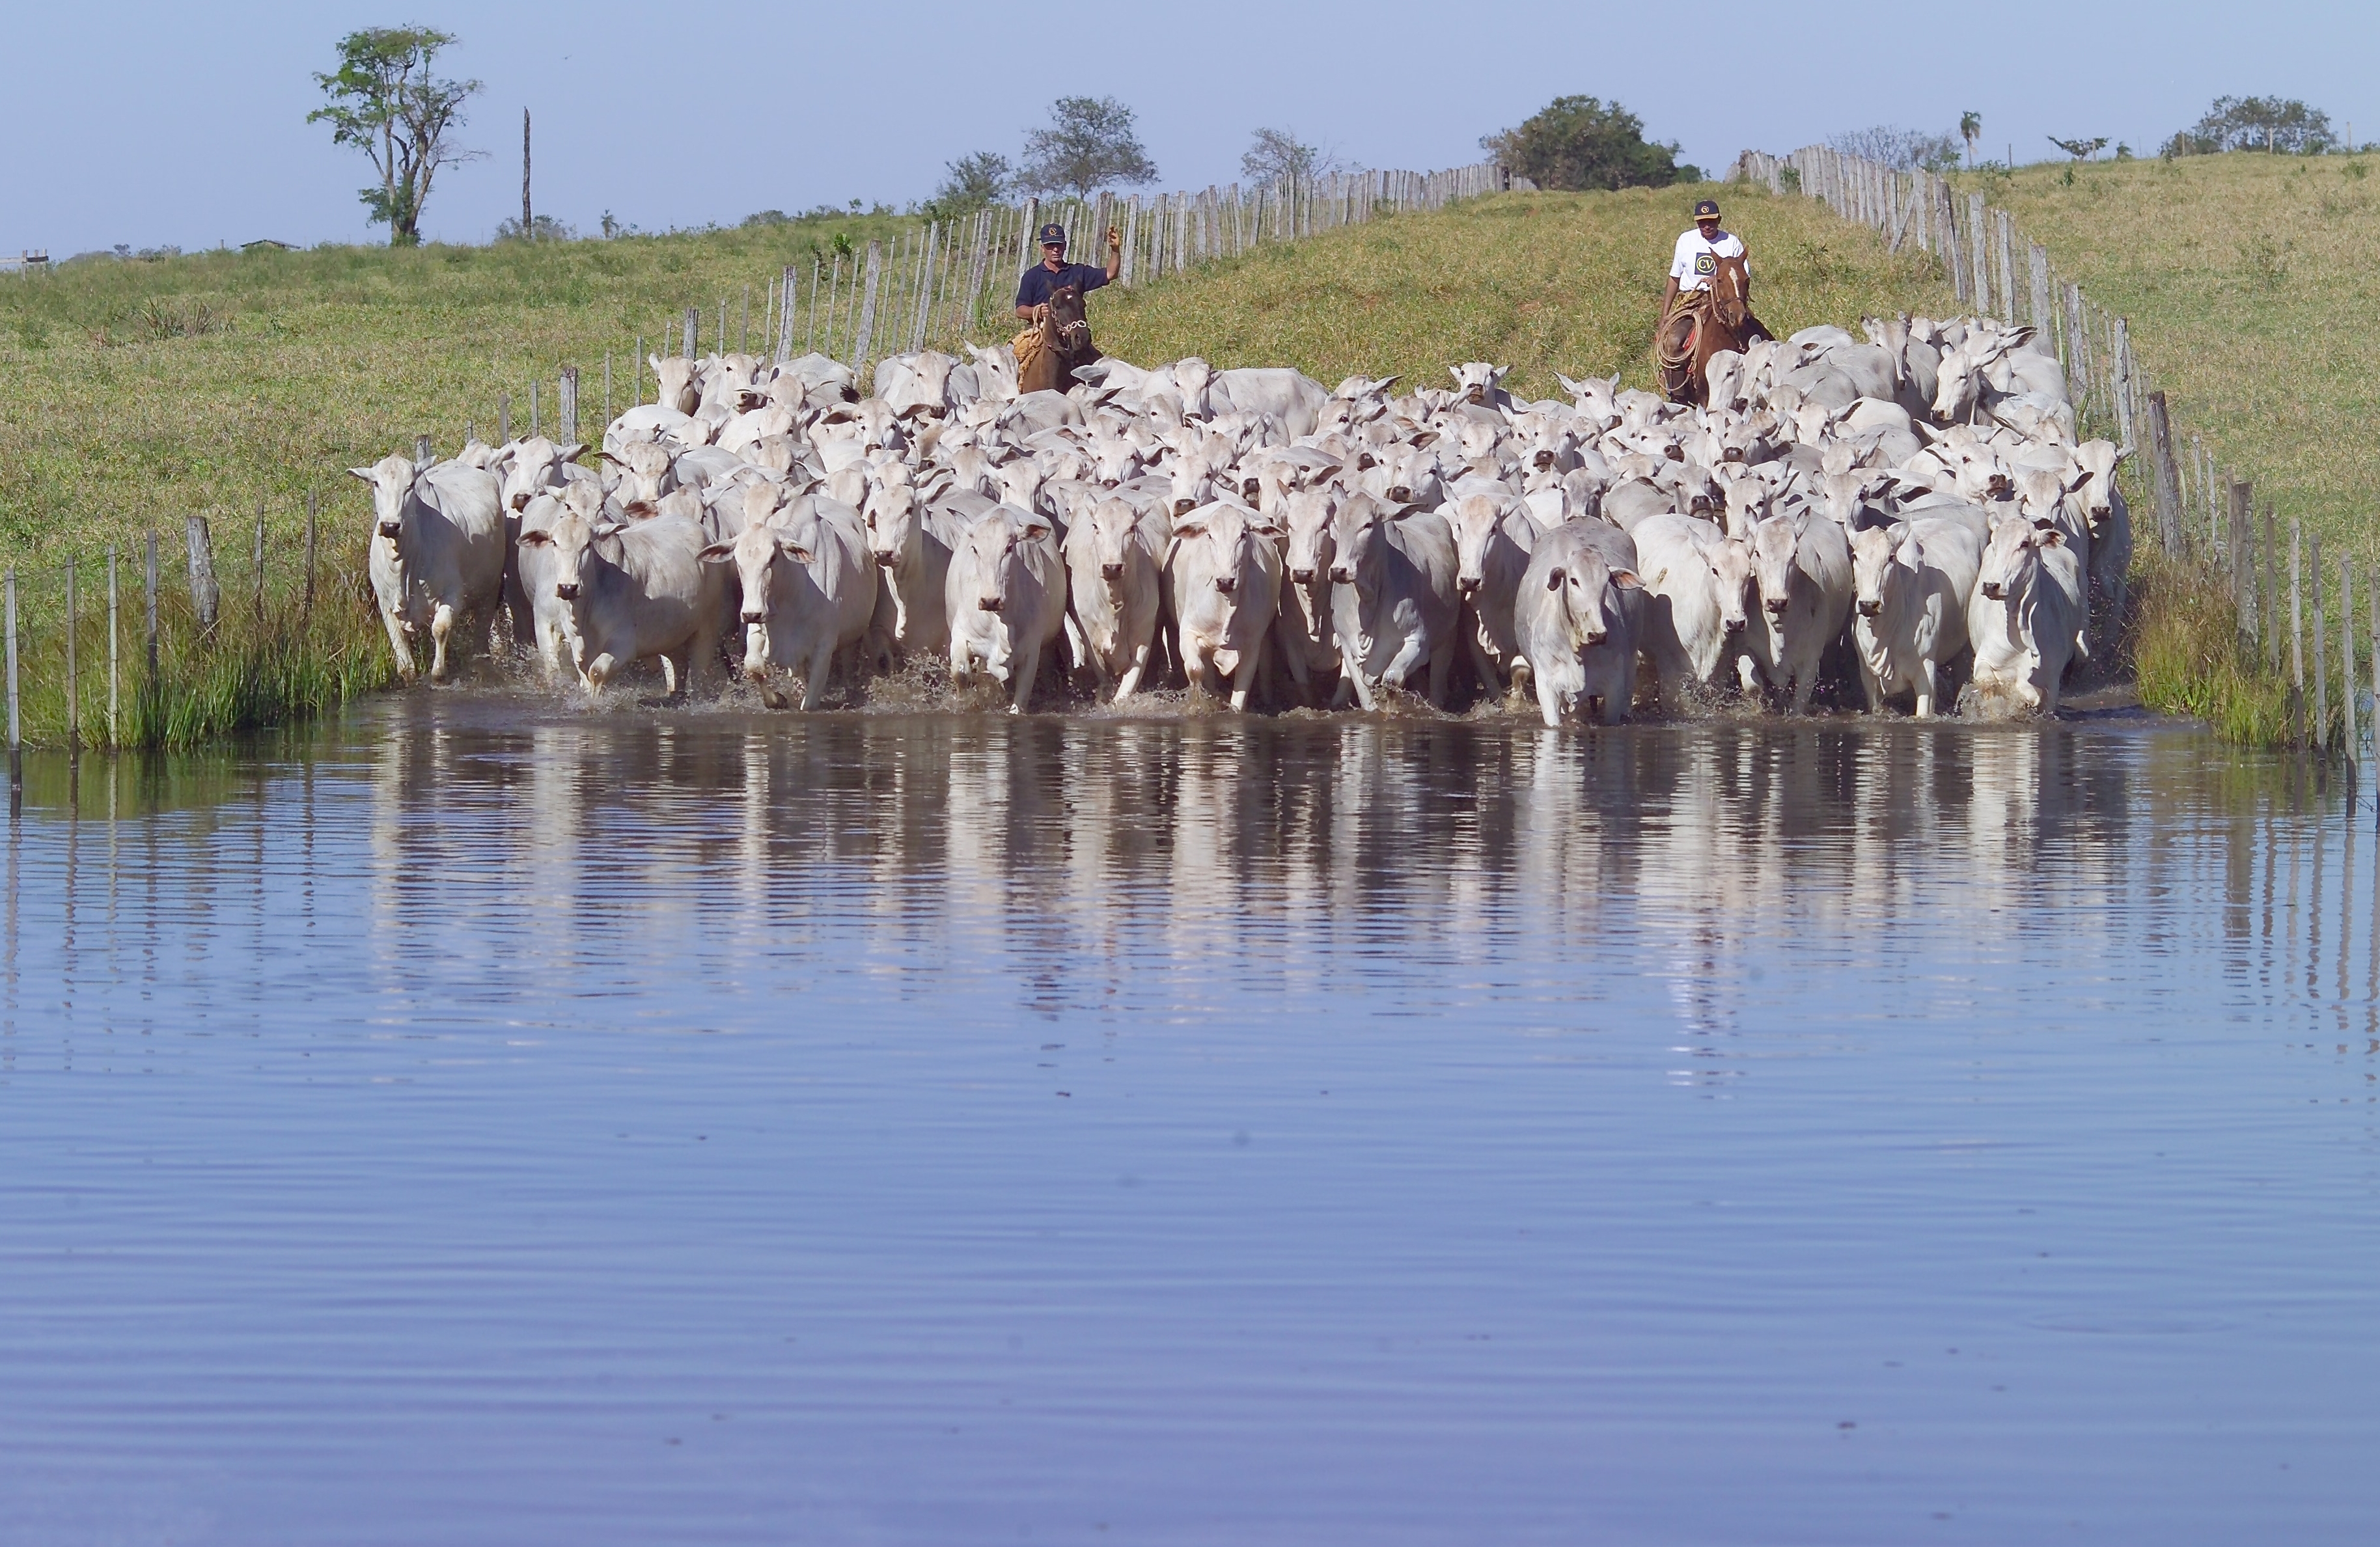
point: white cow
(1006, 595)
(1579, 620)
(1915, 581)
(809, 591)
(1802, 566)
(1392, 597)
(1696, 579)
(437, 554)
(1493, 534)
(2026, 618)
(1115, 564)
(1222, 576)
(636, 592)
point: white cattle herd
(1914, 508)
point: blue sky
(155, 124)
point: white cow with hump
(437, 556)
(1578, 616)
(1006, 595)
(1913, 582)
(1115, 563)
(810, 593)
(1223, 578)
(2026, 617)
(637, 591)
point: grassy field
(2249, 281)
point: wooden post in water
(306, 602)
(115, 607)
(2321, 653)
(206, 596)
(2296, 644)
(152, 608)
(74, 709)
(256, 564)
(2347, 656)
(15, 744)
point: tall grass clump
(257, 668)
(2188, 657)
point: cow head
(1477, 381)
(2012, 559)
(392, 479)
(1311, 551)
(1359, 541)
(994, 541)
(759, 552)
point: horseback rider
(1053, 273)
(1685, 302)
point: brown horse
(1700, 324)
(1064, 337)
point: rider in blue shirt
(1045, 278)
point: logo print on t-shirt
(1706, 264)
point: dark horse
(1066, 344)
(1703, 323)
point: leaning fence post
(74, 710)
(114, 607)
(206, 596)
(2169, 476)
(306, 604)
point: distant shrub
(1575, 144)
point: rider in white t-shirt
(1695, 260)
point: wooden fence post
(2297, 644)
(305, 603)
(2244, 563)
(2169, 476)
(2038, 263)
(608, 414)
(743, 325)
(785, 316)
(866, 337)
(255, 566)
(115, 607)
(152, 607)
(15, 744)
(535, 413)
(693, 331)
(421, 452)
(206, 596)
(566, 406)
(504, 418)
(2347, 657)
(74, 707)
(2123, 385)
(1980, 257)
(2321, 652)
(2272, 593)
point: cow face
(392, 479)
(1731, 564)
(1774, 544)
(1474, 518)
(1477, 381)
(1359, 535)
(1873, 552)
(1311, 550)
(1113, 525)
(2013, 560)
(994, 541)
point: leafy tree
(1274, 153)
(1904, 150)
(1971, 128)
(1090, 144)
(1574, 143)
(971, 183)
(2080, 149)
(384, 101)
(2273, 124)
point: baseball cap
(1706, 208)
(1053, 233)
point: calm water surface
(485, 1124)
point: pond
(482, 1120)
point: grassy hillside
(132, 395)
(2249, 281)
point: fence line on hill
(2203, 513)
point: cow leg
(1483, 661)
(1129, 683)
(1024, 669)
(1802, 685)
(815, 675)
(1925, 690)
(1246, 677)
(1549, 703)
(442, 624)
(398, 647)
(597, 671)
(669, 675)
(1873, 686)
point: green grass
(2249, 281)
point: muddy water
(480, 1123)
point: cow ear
(2052, 538)
(572, 452)
(1626, 580)
(539, 539)
(363, 473)
(1035, 528)
(716, 552)
(614, 461)
(1193, 526)
(794, 552)
(2080, 481)
(613, 528)
(1554, 580)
